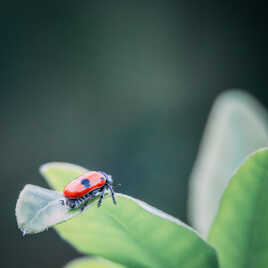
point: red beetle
(86, 187)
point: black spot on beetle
(86, 183)
(102, 178)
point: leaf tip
(45, 167)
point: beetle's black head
(109, 179)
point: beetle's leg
(112, 192)
(62, 202)
(80, 202)
(85, 204)
(75, 203)
(101, 197)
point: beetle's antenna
(117, 185)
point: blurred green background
(119, 86)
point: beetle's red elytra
(85, 188)
(84, 184)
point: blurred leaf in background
(237, 126)
(239, 231)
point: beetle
(85, 188)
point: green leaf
(94, 262)
(239, 231)
(237, 126)
(131, 233)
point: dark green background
(119, 86)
